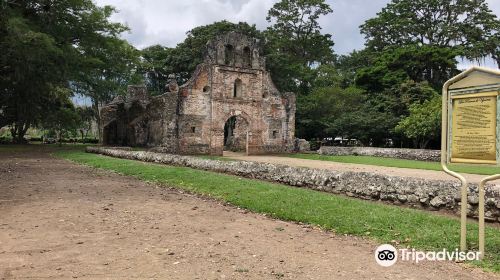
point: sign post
(470, 133)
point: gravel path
(337, 166)
(60, 220)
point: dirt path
(337, 166)
(60, 220)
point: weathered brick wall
(414, 192)
(413, 154)
(231, 82)
(209, 100)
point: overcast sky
(166, 22)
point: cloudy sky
(166, 22)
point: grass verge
(343, 215)
(401, 163)
(216, 158)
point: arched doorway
(110, 134)
(235, 134)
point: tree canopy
(467, 26)
(386, 91)
(295, 43)
(50, 46)
(423, 123)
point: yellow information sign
(469, 135)
(474, 118)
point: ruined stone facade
(229, 102)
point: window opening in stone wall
(229, 55)
(247, 57)
(237, 88)
(275, 134)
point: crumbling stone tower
(230, 102)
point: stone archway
(235, 134)
(242, 133)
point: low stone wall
(414, 154)
(420, 193)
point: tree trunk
(59, 137)
(423, 143)
(95, 107)
(18, 131)
(415, 143)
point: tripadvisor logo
(387, 255)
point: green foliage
(49, 47)
(349, 65)
(63, 119)
(384, 223)
(155, 69)
(395, 65)
(327, 75)
(423, 123)
(106, 71)
(469, 27)
(319, 113)
(86, 118)
(188, 54)
(295, 43)
(390, 106)
(295, 30)
(159, 62)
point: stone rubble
(413, 154)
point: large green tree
(47, 46)
(295, 44)
(468, 26)
(318, 113)
(155, 68)
(62, 120)
(159, 62)
(86, 118)
(108, 68)
(395, 65)
(423, 124)
(32, 67)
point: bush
(5, 140)
(89, 140)
(315, 145)
(36, 139)
(80, 140)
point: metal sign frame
(446, 153)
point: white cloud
(167, 21)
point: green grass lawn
(216, 158)
(402, 163)
(10, 148)
(343, 215)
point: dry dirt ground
(60, 220)
(336, 166)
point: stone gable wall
(190, 119)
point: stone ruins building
(230, 102)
